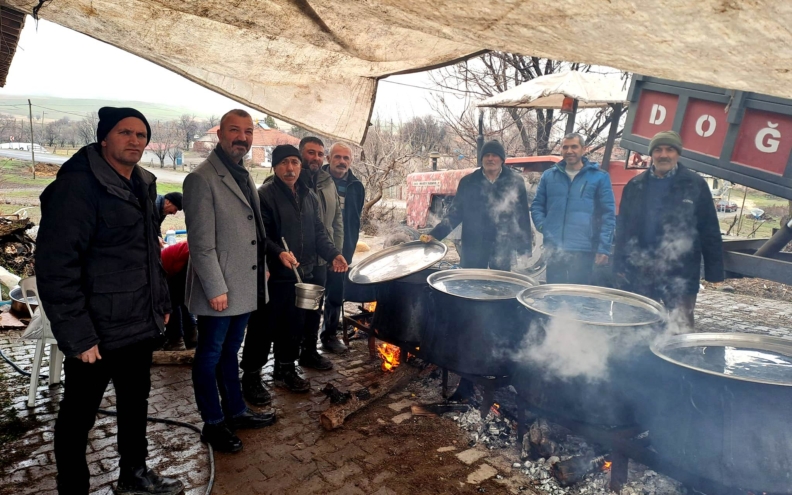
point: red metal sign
(655, 113)
(704, 128)
(764, 142)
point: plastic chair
(28, 285)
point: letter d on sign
(658, 114)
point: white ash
(494, 431)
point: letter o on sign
(711, 124)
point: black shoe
(144, 481)
(310, 358)
(174, 345)
(220, 438)
(288, 378)
(191, 337)
(250, 420)
(254, 390)
(334, 346)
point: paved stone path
(296, 456)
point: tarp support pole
(570, 125)
(480, 138)
(616, 116)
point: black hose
(107, 412)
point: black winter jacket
(353, 208)
(495, 219)
(690, 230)
(98, 267)
(296, 219)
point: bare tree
(384, 161)
(189, 128)
(425, 134)
(164, 136)
(213, 120)
(86, 128)
(496, 72)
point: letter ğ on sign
(764, 141)
(767, 139)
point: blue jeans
(215, 370)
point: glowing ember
(390, 355)
(607, 466)
(495, 408)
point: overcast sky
(54, 61)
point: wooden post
(570, 124)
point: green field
(18, 190)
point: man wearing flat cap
(291, 211)
(667, 224)
(103, 289)
(225, 279)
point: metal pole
(777, 242)
(570, 125)
(480, 138)
(616, 116)
(32, 153)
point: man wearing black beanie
(101, 284)
(492, 206)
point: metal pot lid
(592, 305)
(738, 356)
(480, 285)
(397, 262)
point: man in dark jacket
(321, 183)
(290, 211)
(492, 206)
(352, 195)
(169, 204)
(667, 223)
(103, 288)
(575, 211)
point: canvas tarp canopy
(591, 91)
(316, 62)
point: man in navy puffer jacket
(574, 209)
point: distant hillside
(54, 108)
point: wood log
(335, 415)
(174, 357)
(573, 470)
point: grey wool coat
(221, 231)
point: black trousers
(314, 318)
(181, 322)
(334, 299)
(570, 267)
(84, 386)
(280, 322)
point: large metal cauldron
(579, 356)
(475, 320)
(402, 309)
(721, 407)
(397, 278)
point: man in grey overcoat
(225, 275)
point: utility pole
(32, 152)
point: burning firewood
(390, 355)
(541, 440)
(573, 470)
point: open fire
(390, 355)
(370, 306)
